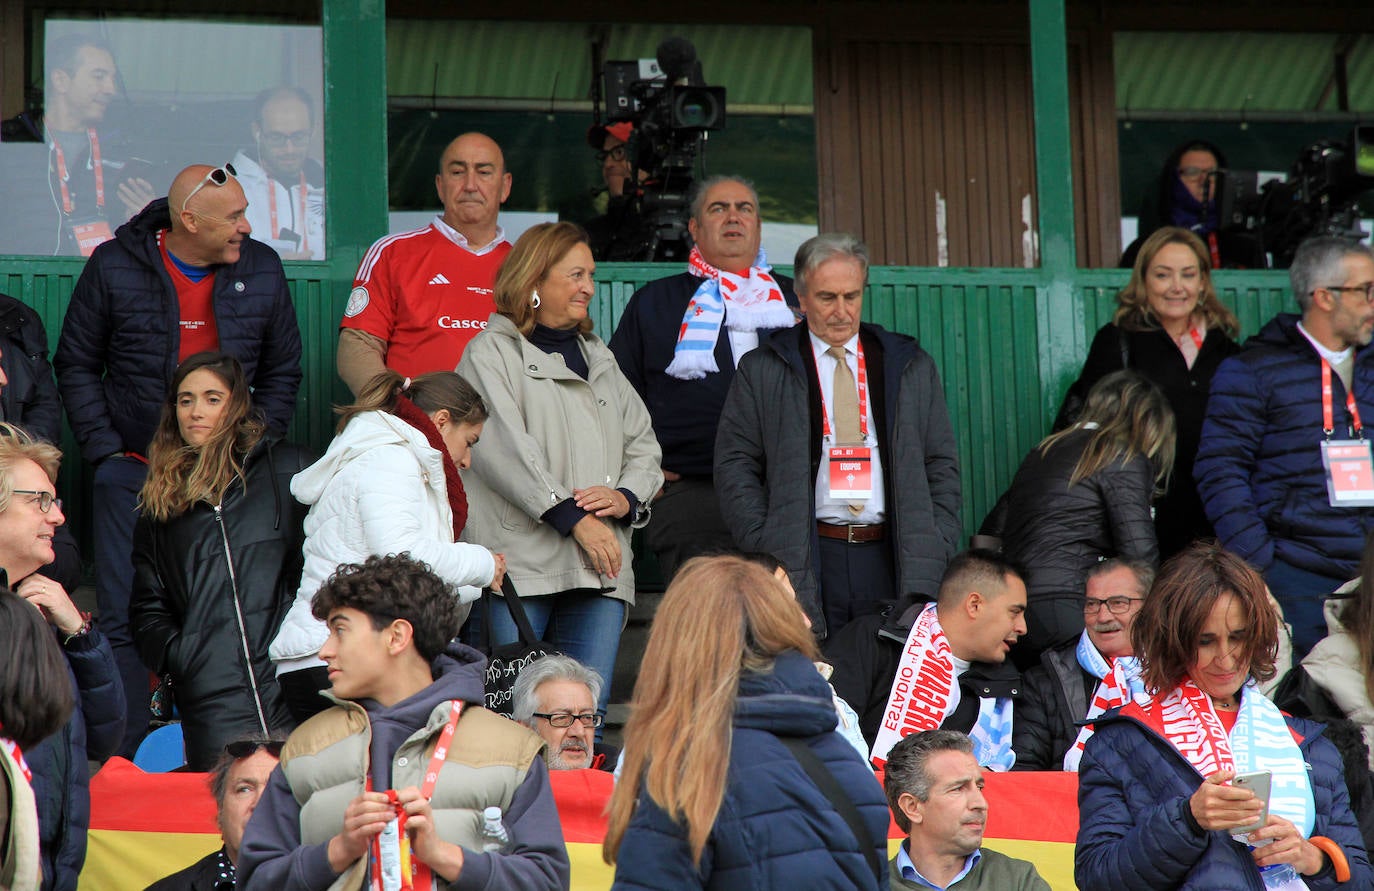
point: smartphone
(1257, 783)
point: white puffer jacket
(379, 489)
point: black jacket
(1179, 517)
(1057, 531)
(1054, 699)
(122, 335)
(206, 874)
(182, 612)
(29, 397)
(865, 654)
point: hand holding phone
(1258, 783)
(1217, 804)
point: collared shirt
(912, 874)
(1342, 361)
(830, 510)
(461, 240)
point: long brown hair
(720, 616)
(1132, 418)
(527, 266)
(1133, 311)
(180, 474)
(430, 392)
(1358, 617)
(1167, 629)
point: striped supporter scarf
(1260, 740)
(755, 301)
(12, 749)
(926, 691)
(1120, 684)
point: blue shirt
(912, 874)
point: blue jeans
(1302, 595)
(582, 624)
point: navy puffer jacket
(1136, 831)
(775, 829)
(61, 778)
(1259, 467)
(122, 335)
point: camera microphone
(676, 56)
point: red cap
(597, 133)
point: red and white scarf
(755, 301)
(12, 749)
(1120, 683)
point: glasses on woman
(565, 719)
(244, 748)
(45, 500)
(1115, 605)
(217, 177)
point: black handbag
(505, 662)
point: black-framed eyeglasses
(45, 499)
(564, 719)
(217, 177)
(1115, 605)
(1367, 288)
(244, 748)
(615, 154)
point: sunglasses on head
(244, 748)
(217, 177)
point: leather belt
(852, 532)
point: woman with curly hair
(217, 556)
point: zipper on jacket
(238, 616)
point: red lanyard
(862, 380)
(1214, 249)
(272, 210)
(62, 175)
(1328, 423)
(1197, 337)
(415, 874)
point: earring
(534, 299)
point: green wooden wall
(1005, 346)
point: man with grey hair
(1284, 466)
(679, 343)
(835, 451)
(556, 697)
(934, 787)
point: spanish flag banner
(148, 825)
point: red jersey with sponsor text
(426, 295)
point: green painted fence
(1005, 346)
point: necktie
(844, 395)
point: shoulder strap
(517, 614)
(830, 787)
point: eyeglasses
(243, 748)
(1196, 172)
(217, 177)
(1367, 289)
(299, 139)
(1115, 605)
(615, 154)
(45, 499)
(563, 719)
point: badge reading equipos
(851, 473)
(1349, 467)
(91, 235)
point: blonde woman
(710, 795)
(1083, 495)
(217, 556)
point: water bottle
(495, 838)
(1281, 876)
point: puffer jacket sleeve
(1126, 492)
(153, 619)
(740, 459)
(1334, 817)
(80, 363)
(1231, 436)
(655, 854)
(102, 693)
(1118, 850)
(392, 523)
(277, 379)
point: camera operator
(1187, 197)
(617, 235)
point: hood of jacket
(139, 235)
(363, 433)
(791, 699)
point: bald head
(208, 222)
(472, 183)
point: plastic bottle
(495, 838)
(1281, 875)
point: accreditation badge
(851, 473)
(91, 234)
(1349, 467)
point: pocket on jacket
(515, 519)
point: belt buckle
(849, 534)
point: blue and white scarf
(1120, 684)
